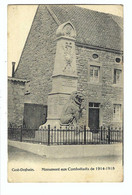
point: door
(94, 116)
(34, 115)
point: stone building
(16, 93)
(99, 62)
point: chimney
(13, 68)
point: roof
(92, 27)
(18, 80)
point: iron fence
(66, 136)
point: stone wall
(105, 92)
(15, 102)
(38, 56)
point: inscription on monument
(63, 100)
(69, 83)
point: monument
(64, 78)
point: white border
(81, 188)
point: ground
(18, 155)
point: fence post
(108, 134)
(48, 135)
(21, 134)
(101, 132)
(84, 134)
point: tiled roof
(92, 27)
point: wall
(15, 102)
(105, 92)
(37, 60)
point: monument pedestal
(63, 86)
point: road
(18, 154)
(15, 154)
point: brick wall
(15, 102)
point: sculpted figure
(73, 109)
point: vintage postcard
(65, 93)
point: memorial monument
(64, 79)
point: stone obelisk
(64, 78)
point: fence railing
(66, 136)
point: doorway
(94, 112)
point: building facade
(99, 61)
(16, 99)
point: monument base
(52, 122)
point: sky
(20, 18)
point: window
(27, 88)
(95, 56)
(94, 105)
(94, 73)
(117, 112)
(117, 76)
(118, 60)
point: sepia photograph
(65, 93)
